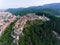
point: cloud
(24, 3)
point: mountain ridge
(54, 8)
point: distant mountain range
(54, 8)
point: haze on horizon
(5, 4)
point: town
(5, 19)
(19, 25)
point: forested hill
(53, 8)
(37, 33)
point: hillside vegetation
(54, 8)
(37, 33)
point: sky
(5, 4)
